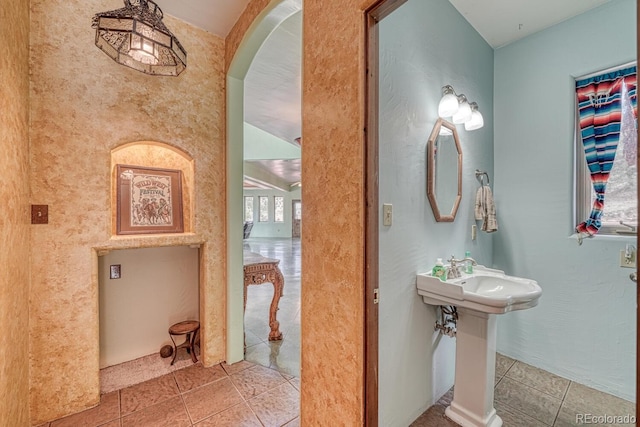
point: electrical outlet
(628, 261)
(474, 232)
(387, 214)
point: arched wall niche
(155, 154)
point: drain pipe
(448, 318)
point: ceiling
(501, 22)
(272, 86)
(273, 83)
(214, 16)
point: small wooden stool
(188, 328)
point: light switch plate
(387, 214)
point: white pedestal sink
(479, 297)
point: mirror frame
(431, 166)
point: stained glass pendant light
(136, 37)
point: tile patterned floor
(526, 396)
(264, 390)
(239, 395)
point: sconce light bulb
(448, 103)
(464, 111)
(476, 121)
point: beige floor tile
(170, 413)
(137, 371)
(107, 410)
(582, 401)
(211, 399)
(446, 398)
(237, 367)
(566, 417)
(197, 375)
(263, 353)
(148, 393)
(277, 406)
(434, 417)
(514, 418)
(237, 416)
(293, 423)
(287, 360)
(527, 400)
(286, 376)
(250, 338)
(540, 380)
(503, 363)
(295, 381)
(254, 381)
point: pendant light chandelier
(136, 37)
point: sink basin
(485, 290)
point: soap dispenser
(439, 271)
(468, 268)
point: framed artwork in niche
(149, 200)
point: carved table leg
(278, 285)
(266, 272)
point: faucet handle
(452, 261)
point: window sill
(606, 237)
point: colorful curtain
(599, 101)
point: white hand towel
(485, 209)
(479, 206)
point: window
(248, 208)
(278, 209)
(620, 201)
(264, 208)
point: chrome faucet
(453, 270)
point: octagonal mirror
(444, 171)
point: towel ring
(480, 176)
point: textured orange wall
(14, 213)
(333, 238)
(83, 106)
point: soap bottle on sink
(468, 265)
(439, 270)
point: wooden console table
(259, 270)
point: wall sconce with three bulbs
(459, 109)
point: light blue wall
(271, 228)
(584, 328)
(261, 145)
(424, 45)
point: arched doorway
(270, 18)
